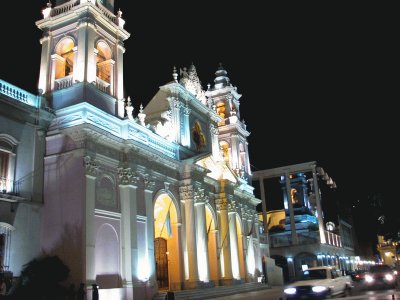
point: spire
(221, 78)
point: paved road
(276, 293)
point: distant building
(389, 251)
(137, 204)
(298, 235)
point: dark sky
(319, 81)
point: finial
(49, 4)
(119, 13)
(141, 116)
(175, 74)
(129, 109)
(208, 86)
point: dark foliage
(41, 279)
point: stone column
(119, 78)
(148, 198)
(291, 211)
(92, 169)
(264, 212)
(215, 143)
(186, 193)
(186, 127)
(201, 233)
(222, 208)
(233, 243)
(235, 160)
(319, 208)
(128, 197)
(45, 61)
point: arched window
(103, 61)
(64, 58)
(7, 162)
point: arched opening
(161, 255)
(65, 60)
(104, 67)
(221, 111)
(166, 243)
(107, 258)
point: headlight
(319, 289)
(369, 278)
(389, 277)
(290, 291)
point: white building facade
(136, 204)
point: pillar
(190, 232)
(234, 245)
(202, 241)
(319, 208)
(291, 211)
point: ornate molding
(200, 196)
(213, 129)
(186, 192)
(222, 203)
(149, 184)
(127, 176)
(92, 167)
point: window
(7, 162)
(65, 58)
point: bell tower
(82, 54)
(232, 131)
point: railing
(106, 12)
(66, 7)
(306, 237)
(285, 239)
(102, 85)
(63, 82)
(333, 239)
(63, 8)
(18, 94)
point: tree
(40, 279)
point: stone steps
(207, 293)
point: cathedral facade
(161, 200)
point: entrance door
(161, 262)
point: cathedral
(161, 200)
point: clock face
(198, 136)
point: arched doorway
(161, 256)
(167, 251)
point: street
(276, 293)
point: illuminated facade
(298, 235)
(161, 200)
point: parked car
(320, 283)
(358, 275)
(380, 276)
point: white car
(319, 283)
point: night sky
(318, 81)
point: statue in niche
(198, 136)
